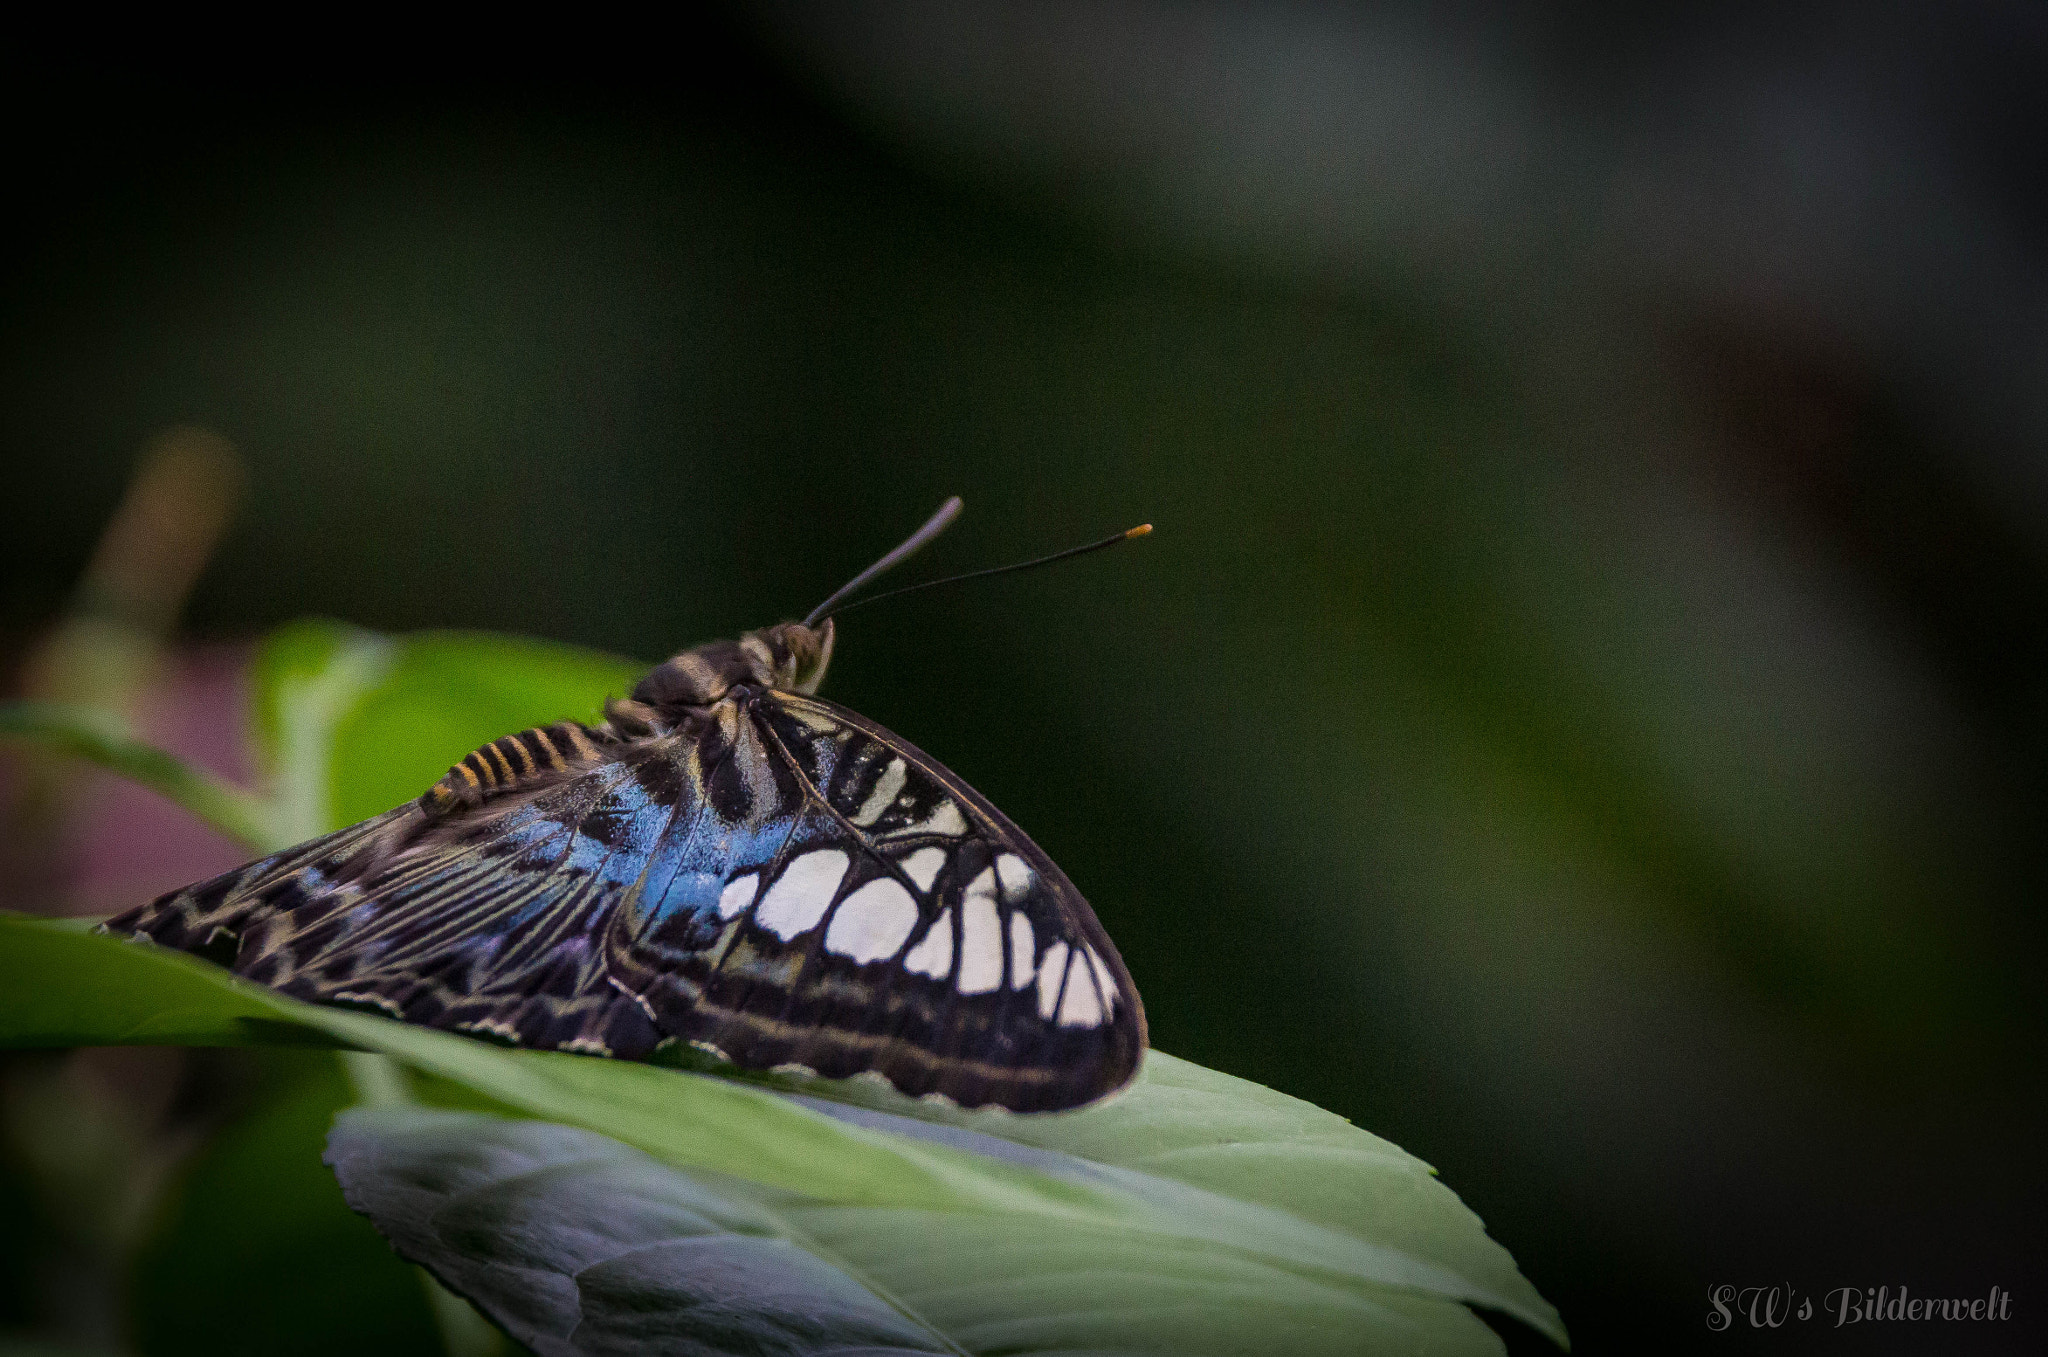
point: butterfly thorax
(789, 656)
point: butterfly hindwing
(485, 921)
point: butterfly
(726, 864)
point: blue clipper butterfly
(726, 862)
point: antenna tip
(1141, 530)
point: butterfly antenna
(826, 609)
(933, 526)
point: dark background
(1583, 712)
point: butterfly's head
(790, 655)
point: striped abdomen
(514, 761)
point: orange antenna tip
(835, 605)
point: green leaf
(355, 723)
(348, 723)
(311, 677)
(98, 737)
(574, 1243)
(1205, 1168)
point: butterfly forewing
(875, 914)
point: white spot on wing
(887, 787)
(1020, 951)
(981, 940)
(923, 866)
(1016, 876)
(1051, 968)
(1101, 969)
(872, 922)
(799, 897)
(934, 956)
(945, 819)
(1081, 1007)
(737, 895)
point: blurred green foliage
(256, 1252)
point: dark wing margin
(890, 921)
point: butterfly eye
(796, 654)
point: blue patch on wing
(692, 867)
